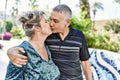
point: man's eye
(56, 21)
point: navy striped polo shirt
(68, 53)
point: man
(67, 45)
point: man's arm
(87, 69)
(16, 58)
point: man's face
(57, 22)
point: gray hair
(29, 19)
(64, 9)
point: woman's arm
(15, 72)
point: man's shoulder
(53, 35)
(77, 32)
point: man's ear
(68, 22)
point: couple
(67, 46)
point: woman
(40, 65)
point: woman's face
(45, 28)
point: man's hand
(16, 58)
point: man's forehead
(56, 15)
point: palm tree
(117, 1)
(33, 4)
(96, 6)
(14, 11)
(116, 21)
(85, 7)
(59, 1)
(17, 4)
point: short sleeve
(84, 53)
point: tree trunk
(4, 30)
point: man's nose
(51, 23)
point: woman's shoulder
(24, 44)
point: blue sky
(111, 9)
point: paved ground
(14, 42)
(3, 56)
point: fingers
(22, 59)
(20, 49)
(18, 64)
(19, 60)
(21, 56)
(16, 58)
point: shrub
(17, 32)
(101, 42)
(6, 36)
(93, 39)
(8, 26)
(114, 26)
(83, 24)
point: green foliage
(117, 1)
(83, 24)
(93, 39)
(84, 9)
(8, 26)
(114, 26)
(33, 4)
(98, 5)
(17, 32)
(101, 42)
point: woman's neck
(38, 40)
(38, 43)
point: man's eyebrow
(53, 18)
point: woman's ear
(37, 28)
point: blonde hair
(29, 19)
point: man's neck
(64, 34)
